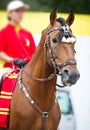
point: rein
(40, 79)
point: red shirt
(16, 43)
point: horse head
(60, 48)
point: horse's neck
(38, 67)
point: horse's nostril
(66, 72)
(70, 77)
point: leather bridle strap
(70, 62)
(54, 29)
(33, 103)
(40, 79)
(48, 46)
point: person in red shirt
(16, 44)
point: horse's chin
(66, 82)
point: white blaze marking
(69, 39)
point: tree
(3, 4)
(78, 6)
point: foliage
(79, 6)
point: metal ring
(45, 114)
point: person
(16, 44)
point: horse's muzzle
(69, 77)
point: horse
(34, 105)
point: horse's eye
(54, 40)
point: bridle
(47, 45)
(55, 66)
(23, 88)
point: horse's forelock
(61, 20)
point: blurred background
(36, 19)
(79, 6)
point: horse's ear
(70, 18)
(53, 16)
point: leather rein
(45, 114)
